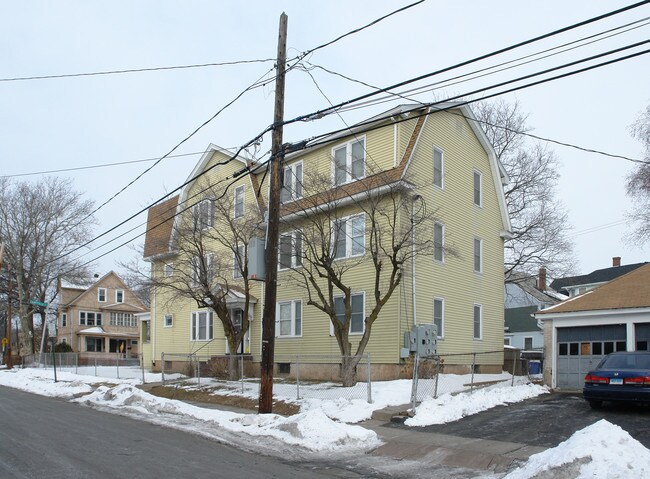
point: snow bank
(311, 430)
(602, 450)
(42, 382)
(448, 408)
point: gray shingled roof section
(598, 276)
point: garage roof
(631, 290)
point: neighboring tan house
(441, 159)
(525, 295)
(580, 331)
(100, 321)
(575, 285)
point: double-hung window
(239, 258)
(119, 295)
(168, 320)
(439, 242)
(64, 320)
(357, 317)
(89, 318)
(439, 315)
(478, 255)
(202, 270)
(289, 323)
(349, 161)
(290, 250)
(478, 321)
(202, 328)
(203, 213)
(292, 182)
(239, 202)
(350, 236)
(478, 195)
(438, 167)
(101, 295)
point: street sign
(37, 303)
(5, 341)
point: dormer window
(349, 161)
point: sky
(601, 450)
(59, 123)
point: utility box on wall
(421, 340)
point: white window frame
(507, 341)
(117, 291)
(480, 322)
(96, 316)
(480, 188)
(196, 268)
(363, 315)
(64, 320)
(238, 203)
(480, 255)
(99, 296)
(296, 257)
(532, 345)
(166, 323)
(442, 243)
(236, 267)
(294, 190)
(168, 270)
(348, 160)
(441, 330)
(194, 326)
(203, 212)
(122, 319)
(348, 236)
(442, 168)
(293, 319)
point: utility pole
(10, 362)
(275, 165)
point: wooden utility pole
(10, 361)
(275, 165)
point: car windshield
(626, 361)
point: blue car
(622, 376)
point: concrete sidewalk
(446, 450)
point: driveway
(545, 421)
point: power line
(321, 113)
(134, 70)
(102, 165)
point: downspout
(394, 145)
(415, 198)
(153, 316)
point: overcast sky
(71, 122)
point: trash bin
(534, 367)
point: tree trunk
(349, 370)
(233, 360)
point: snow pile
(602, 450)
(42, 382)
(448, 407)
(311, 430)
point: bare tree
(328, 248)
(638, 182)
(137, 275)
(539, 220)
(42, 224)
(211, 246)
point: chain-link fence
(108, 366)
(239, 374)
(459, 372)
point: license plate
(616, 381)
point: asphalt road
(43, 437)
(546, 421)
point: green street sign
(37, 303)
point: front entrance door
(236, 316)
(117, 346)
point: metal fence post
(95, 366)
(435, 385)
(471, 387)
(369, 379)
(118, 366)
(162, 366)
(241, 372)
(514, 369)
(76, 363)
(297, 377)
(198, 370)
(142, 366)
(414, 386)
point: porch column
(630, 334)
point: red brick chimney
(541, 280)
(616, 261)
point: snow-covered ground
(324, 423)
